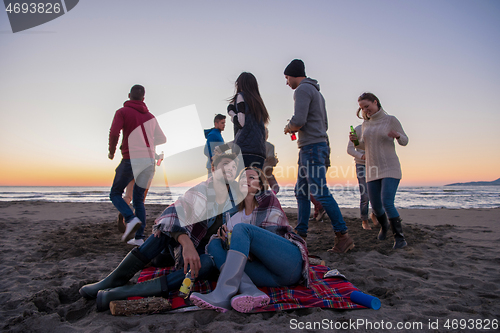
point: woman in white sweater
(383, 171)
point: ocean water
(419, 197)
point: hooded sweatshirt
(136, 122)
(214, 139)
(310, 113)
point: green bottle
(353, 132)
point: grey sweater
(310, 113)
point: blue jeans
(311, 179)
(382, 193)
(276, 261)
(363, 191)
(153, 246)
(123, 176)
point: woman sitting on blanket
(264, 251)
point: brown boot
(343, 243)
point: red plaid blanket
(331, 293)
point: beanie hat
(296, 68)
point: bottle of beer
(292, 135)
(353, 132)
(187, 284)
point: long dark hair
(369, 97)
(264, 185)
(247, 83)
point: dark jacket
(251, 138)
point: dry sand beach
(449, 272)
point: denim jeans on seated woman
(382, 193)
(276, 261)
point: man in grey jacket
(311, 122)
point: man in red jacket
(141, 133)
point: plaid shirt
(192, 214)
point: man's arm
(189, 254)
(301, 109)
(114, 134)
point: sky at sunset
(433, 64)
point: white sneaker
(135, 242)
(131, 228)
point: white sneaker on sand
(131, 228)
(135, 242)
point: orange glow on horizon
(286, 176)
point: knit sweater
(380, 151)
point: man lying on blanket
(184, 228)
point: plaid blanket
(333, 293)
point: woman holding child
(383, 171)
(263, 251)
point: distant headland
(495, 182)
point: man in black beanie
(311, 122)
(296, 69)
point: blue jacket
(214, 139)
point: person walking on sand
(311, 122)
(383, 170)
(184, 228)
(214, 139)
(140, 134)
(359, 159)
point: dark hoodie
(310, 113)
(132, 115)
